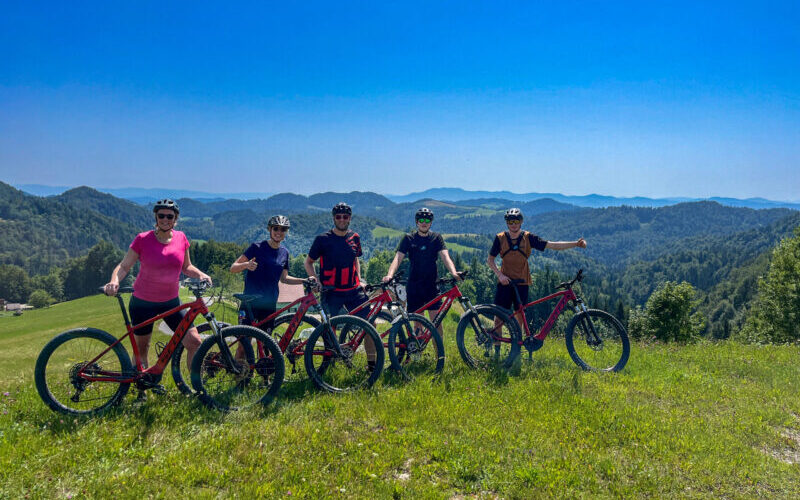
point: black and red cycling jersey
(337, 259)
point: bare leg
(191, 341)
(143, 346)
(432, 315)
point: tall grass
(703, 420)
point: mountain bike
(595, 339)
(404, 348)
(418, 345)
(86, 371)
(333, 365)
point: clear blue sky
(641, 98)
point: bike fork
(224, 349)
(331, 337)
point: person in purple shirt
(266, 263)
(163, 254)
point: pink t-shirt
(160, 266)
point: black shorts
(504, 296)
(419, 295)
(333, 302)
(260, 312)
(142, 310)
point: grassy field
(386, 232)
(704, 420)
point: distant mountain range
(589, 200)
(143, 196)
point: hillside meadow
(697, 421)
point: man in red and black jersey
(338, 251)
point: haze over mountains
(148, 195)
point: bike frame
(196, 308)
(567, 296)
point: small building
(13, 306)
(288, 293)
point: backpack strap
(515, 245)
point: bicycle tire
(248, 381)
(181, 373)
(415, 347)
(302, 332)
(614, 350)
(56, 369)
(382, 323)
(360, 368)
(476, 342)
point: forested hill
(39, 233)
(106, 204)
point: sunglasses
(513, 222)
(341, 217)
(166, 216)
(280, 229)
(424, 221)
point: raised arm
(243, 263)
(564, 245)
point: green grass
(704, 420)
(386, 232)
(457, 247)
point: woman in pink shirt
(163, 254)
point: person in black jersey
(423, 247)
(338, 251)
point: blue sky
(669, 99)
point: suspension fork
(224, 349)
(466, 304)
(327, 332)
(592, 338)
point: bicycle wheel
(382, 323)
(415, 347)
(596, 340)
(488, 337)
(361, 361)
(58, 367)
(302, 333)
(229, 374)
(181, 372)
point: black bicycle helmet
(423, 213)
(166, 203)
(279, 221)
(341, 208)
(513, 214)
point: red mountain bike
(422, 345)
(86, 371)
(404, 347)
(595, 339)
(334, 365)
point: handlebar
(569, 284)
(450, 280)
(122, 289)
(371, 287)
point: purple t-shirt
(160, 266)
